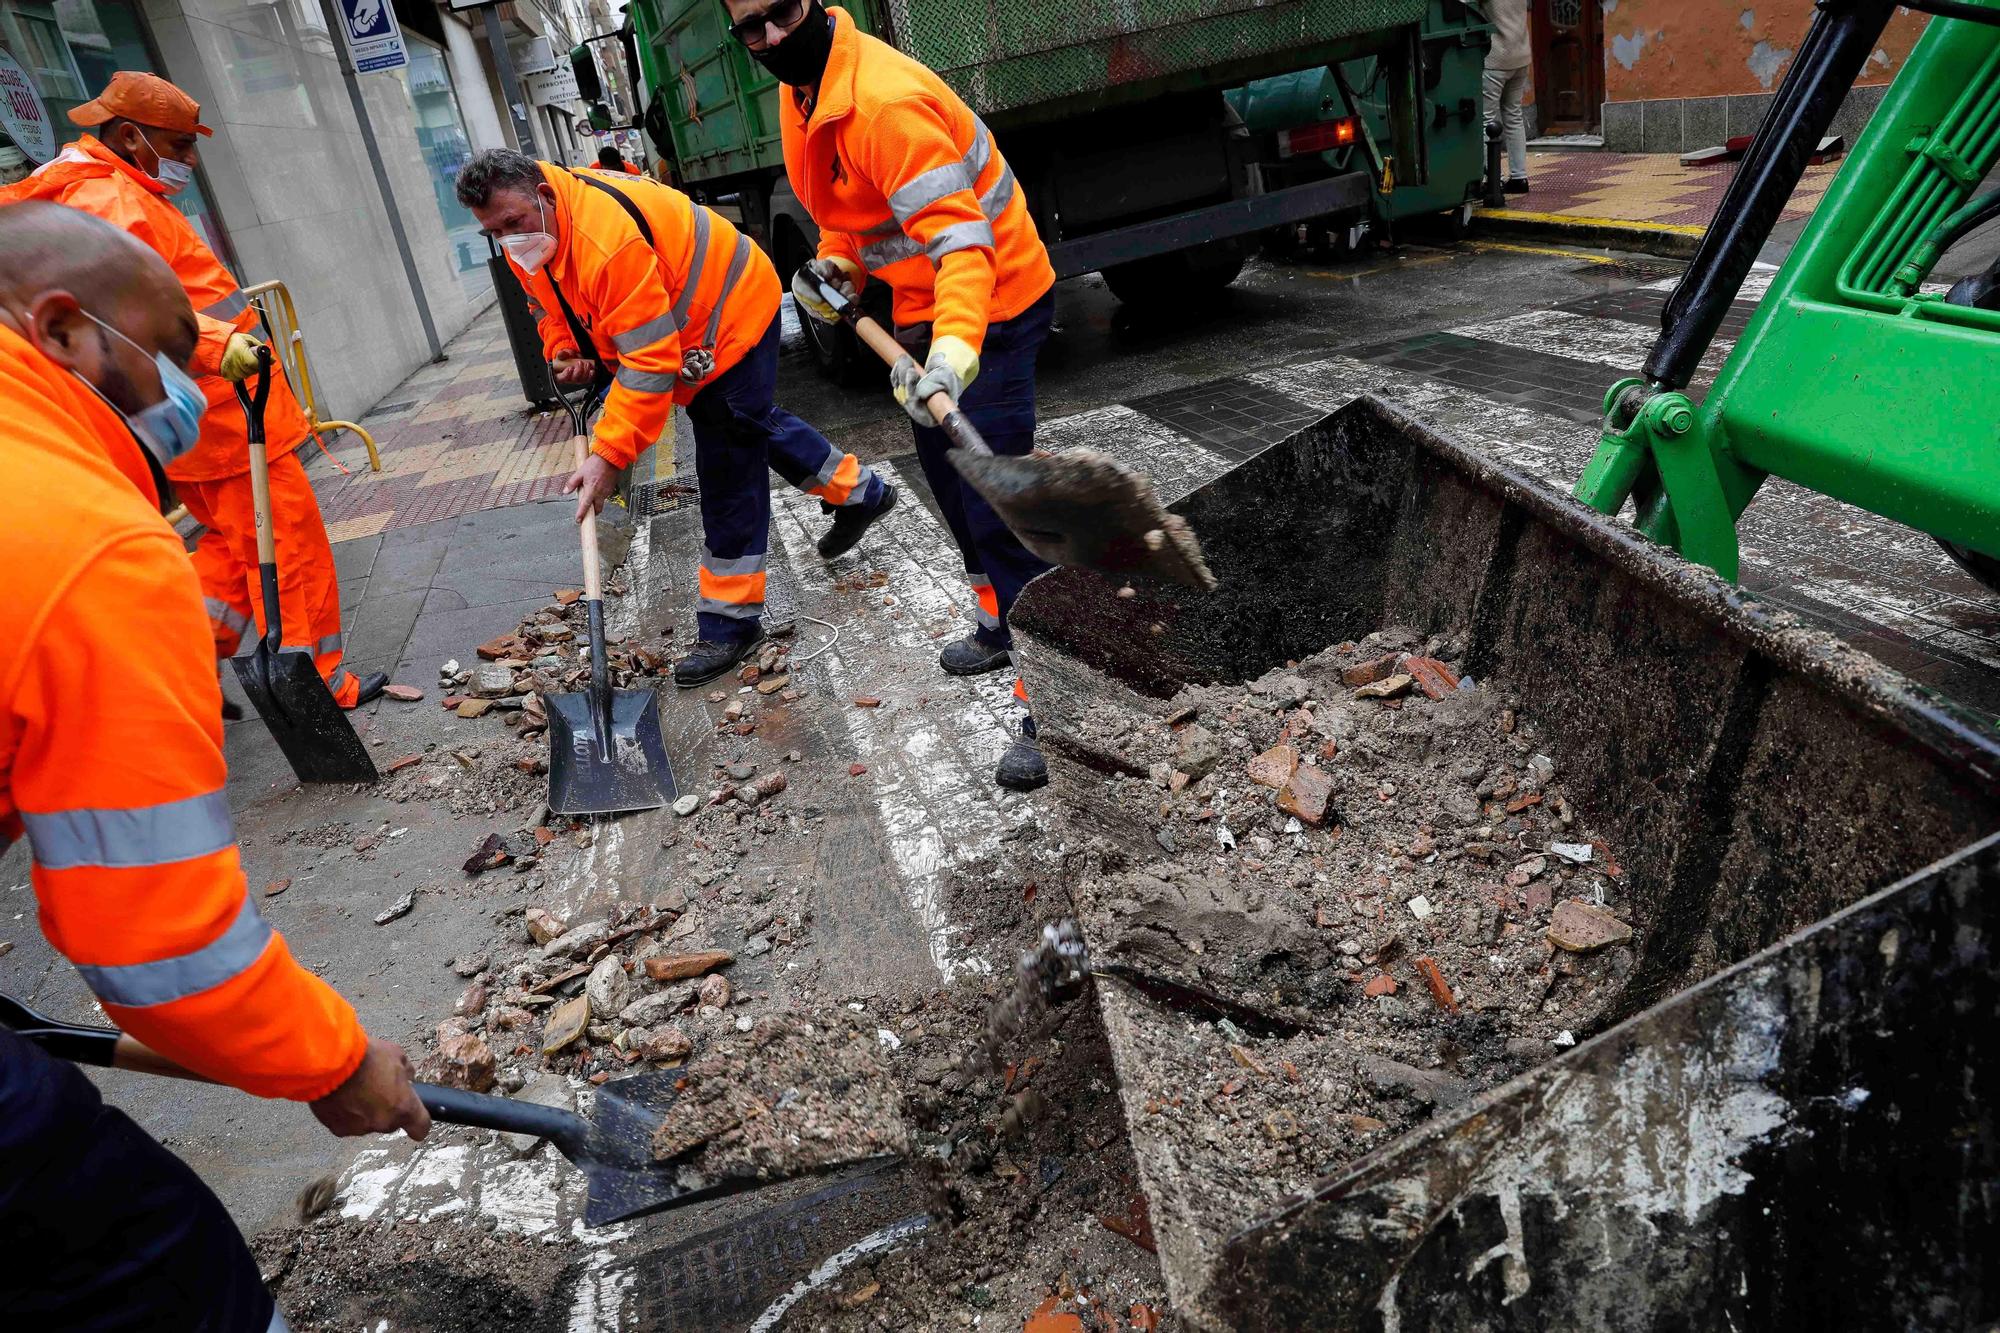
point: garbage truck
(1114, 118)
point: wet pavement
(1508, 347)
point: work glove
(239, 357)
(949, 369)
(843, 275)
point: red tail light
(1319, 137)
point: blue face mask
(170, 427)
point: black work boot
(970, 657)
(372, 684)
(709, 659)
(1022, 767)
(850, 521)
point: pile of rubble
(1347, 893)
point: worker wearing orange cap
(111, 766)
(142, 154)
(907, 185)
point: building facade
(285, 188)
(1667, 76)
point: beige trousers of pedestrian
(1504, 90)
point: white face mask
(531, 249)
(171, 173)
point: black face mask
(800, 60)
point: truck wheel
(1162, 280)
(1983, 567)
(835, 350)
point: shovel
(283, 683)
(606, 753)
(613, 1147)
(1082, 507)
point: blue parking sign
(373, 36)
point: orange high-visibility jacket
(111, 757)
(91, 178)
(904, 180)
(700, 284)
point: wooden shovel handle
(885, 346)
(593, 581)
(133, 1054)
(883, 343)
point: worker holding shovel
(111, 765)
(633, 275)
(907, 185)
(143, 153)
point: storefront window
(442, 138)
(55, 54)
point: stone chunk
(715, 992)
(1578, 927)
(490, 680)
(408, 694)
(1387, 688)
(658, 1007)
(465, 1061)
(577, 942)
(1200, 752)
(662, 1044)
(544, 927)
(608, 987)
(566, 1024)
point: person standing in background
(1507, 68)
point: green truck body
(1113, 117)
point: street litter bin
(537, 384)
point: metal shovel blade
(310, 728)
(1085, 508)
(583, 779)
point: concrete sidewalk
(1638, 201)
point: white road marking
(931, 746)
(834, 1266)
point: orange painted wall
(1708, 48)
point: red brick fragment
(1433, 677)
(1367, 673)
(1434, 978)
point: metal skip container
(1787, 1119)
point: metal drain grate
(653, 498)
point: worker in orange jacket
(141, 156)
(635, 275)
(610, 159)
(907, 186)
(111, 765)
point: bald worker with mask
(111, 767)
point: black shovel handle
(957, 429)
(108, 1048)
(260, 493)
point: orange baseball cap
(147, 99)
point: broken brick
(682, 966)
(403, 763)
(276, 887)
(867, 701)
(856, 770)
(1274, 767)
(1433, 977)
(1306, 795)
(569, 596)
(408, 694)
(1523, 802)
(507, 645)
(474, 707)
(1433, 677)
(1379, 984)
(1367, 673)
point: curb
(1671, 240)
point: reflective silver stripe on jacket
(685, 300)
(737, 263)
(646, 381)
(888, 244)
(742, 564)
(225, 615)
(926, 188)
(142, 985)
(146, 835)
(652, 331)
(229, 307)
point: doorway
(1568, 45)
